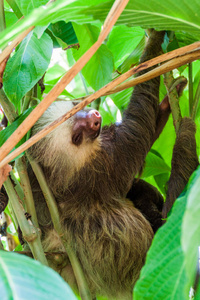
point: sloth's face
(87, 126)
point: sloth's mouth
(77, 138)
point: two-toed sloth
(91, 170)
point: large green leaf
(154, 165)
(27, 66)
(191, 229)
(99, 69)
(163, 276)
(179, 15)
(122, 40)
(23, 278)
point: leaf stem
(2, 16)
(196, 102)
(84, 83)
(190, 85)
(26, 100)
(8, 107)
(30, 233)
(25, 183)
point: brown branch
(166, 67)
(109, 88)
(112, 17)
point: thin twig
(172, 64)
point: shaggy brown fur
(109, 235)
(184, 162)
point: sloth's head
(72, 144)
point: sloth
(109, 217)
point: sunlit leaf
(99, 69)
(27, 66)
(165, 15)
(154, 165)
(163, 276)
(190, 230)
(23, 278)
(122, 40)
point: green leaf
(122, 40)
(197, 295)
(15, 8)
(99, 69)
(26, 6)
(54, 72)
(27, 66)
(122, 98)
(10, 18)
(23, 278)
(108, 111)
(6, 133)
(161, 181)
(163, 276)
(166, 15)
(133, 58)
(64, 32)
(164, 144)
(154, 165)
(191, 228)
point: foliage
(22, 276)
(170, 268)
